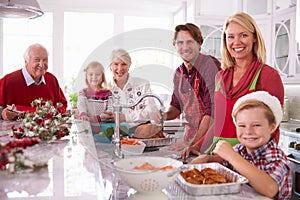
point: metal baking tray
(234, 179)
(296, 153)
(156, 142)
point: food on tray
(233, 179)
(147, 131)
(292, 144)
(297, 146)
(204, 176)
(148, 166)
(152, 135)
(125, 141)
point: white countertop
(79, 168)
(119, 191)
(72, 172)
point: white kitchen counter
(117, 190)
(72, 173)
(79, 168)
(288, 134)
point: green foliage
(124, 131)
(109, 131)
(73, 99)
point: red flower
(21, 129)
(60, 134)
(49, 115)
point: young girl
(257, 157)
(95, 93)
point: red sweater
(13, 90)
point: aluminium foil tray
(233, 186)
(157, 142)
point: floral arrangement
(12, 157)
(46, 123)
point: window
(136, 22)
(18, 34)
(149, 42)
(83, 32)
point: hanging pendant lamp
(20, 9)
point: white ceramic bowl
(147, 181)
(133, 149)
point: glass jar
(286, 109)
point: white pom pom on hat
(266, 98)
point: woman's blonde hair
(122, 54)
(246, 21)
(93, 65)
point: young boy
(257, 157)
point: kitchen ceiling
(147, 7)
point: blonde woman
(243, 71)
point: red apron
(224, 128)
(193, 108)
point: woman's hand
(107, 116)
(190, 150)
(157, 117)
(110, 116)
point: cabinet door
(212, 40)
(286, 52)
(282, 46)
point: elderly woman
(130, 88)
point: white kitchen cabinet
(210, 19)
(276, 20)
(211, 28)
(211, 44)
(286, 50)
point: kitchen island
(72, 173)
(79, 167)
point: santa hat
(271, 101)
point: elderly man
(19, 88)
